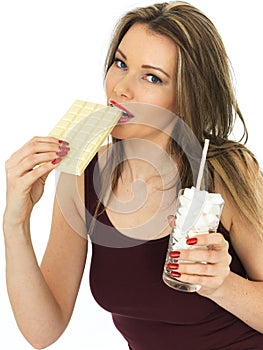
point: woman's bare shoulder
(244, 236)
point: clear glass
(198, 212)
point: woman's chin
(124, 131)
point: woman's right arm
(42, 299)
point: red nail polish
(173, 266)
(63, 147)
(62, 153)
(63, 142)
(56, 161)
(191, 241)
(175, 274)
(174, 254)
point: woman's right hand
(26, 173)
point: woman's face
(143, 72)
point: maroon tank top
(126, 280)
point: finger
(35, 145)
(34, 154)
(34, 160)
(202, 269)
(40, 172)
(37, 160)
(204, 281)
(202, 255)
(214, 240)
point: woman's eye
(153, 79)
(119, 63)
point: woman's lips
(126, 115)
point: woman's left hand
(211, 248)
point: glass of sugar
(198, 212)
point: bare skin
(47, 293)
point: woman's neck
(146, 160)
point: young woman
(168, 69)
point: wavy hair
(205, 101)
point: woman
(165, 60)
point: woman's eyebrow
(156, 68)
(122, 54)
(145, 65)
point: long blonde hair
(205, 99)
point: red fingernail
(62, 153)
(64, 147)
(175, 274)
(173, 266)
(174, 254)
(63, 142)
(191, 241)
(56, 161)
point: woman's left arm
(240, 296)
(243, 297)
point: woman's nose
(124, 88)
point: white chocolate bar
(85, 126)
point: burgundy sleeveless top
(126, 280)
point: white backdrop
(52, 52)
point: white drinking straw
(202, 165)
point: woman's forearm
(37, 313)
(243, 298)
